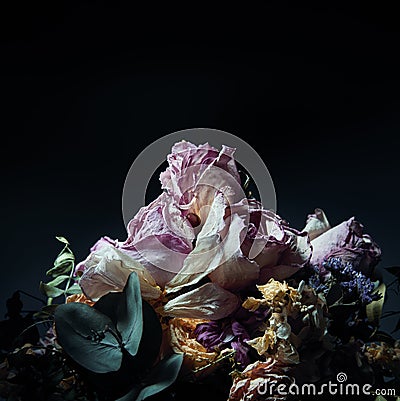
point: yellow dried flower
(183, 340)
(279, 295)
(264, 343)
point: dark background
(315, 90)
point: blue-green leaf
(89, 337)
(161, 377)
(151, 337)
(130, 316)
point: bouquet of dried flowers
(210, 295)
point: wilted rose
(107, 269)
(278, 249)
(196, 174)
(348, 242)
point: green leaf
(74, 289)
(89, 337)
(380, 398)
(130, 315)
(374, 308)
(161, 377)
(50, 291)
(63, 240)
(63, 264)
(58, 280)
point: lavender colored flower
(217, 335)
(232, 332)
(355, 284)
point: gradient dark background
(86, 88)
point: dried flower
(258, 379)
(348, 242)
(183, 340)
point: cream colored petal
(316, 224)
(206, 302)
(211, 250)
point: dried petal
(316, 224)
(107, 269)
(207, 302)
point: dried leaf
(374, 309)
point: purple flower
(217, 335)
(232, 332)
(356, 286)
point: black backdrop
(315, 90)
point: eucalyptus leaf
(150, 341)
(63, 240)
(58, 280)
(50, 291)
(374, 308)
(63, 264)
(89, 337)
(130, 315)
(74, 289)
(108, 304)
(161, 377)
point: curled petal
(237, 273)
(196, 174)
(347, 241)
(278, 249)
(296, 254)
(212, 250)
(107, 269)
(316, 224)
(206, 302)
(160, 239)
